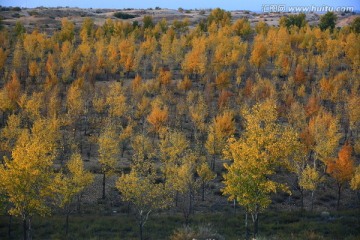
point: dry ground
(49, 19)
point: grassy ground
(273, 225)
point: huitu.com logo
(273, 8)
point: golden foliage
(143, 192)
(109, 149)
(116, 100)
(13, 88)
(25, 179)
(325, 131)
(172, 146)
(158, 118)
(136, 83)
(355, 181)
(195, 60)
(313, 106)
(224, 98)
(255, 157)
(66, 186)
(353, 110)
(222, 127)
(342, 168)
(259, 53)
(185, 84)
(10, 133)
(309, 178)
(300, 76)
(222, 81)
(75, 98)
(164, 77)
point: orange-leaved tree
(342, 168)
(158, 118)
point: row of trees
(176, 103)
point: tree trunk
(190, 202)
(81, 145)
(67, 224)
(103, 183)
(312, 200)
(29, 237)
(141, 231)
(302, 198)
(247, 235)
(3, 118)
(24, 229)
(339, 195)
(213, 163)
(123, 148)
(203, 191)
(234, 206)
(176, 198)
(78, 203)
(256, 225)
(9, 226)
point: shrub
(33, 13)
(123, 15)
(204, 231)
(148, 22)
(298, 20)
(183, 233)
(16, 15)
(355, 25)
(328, 21)
(135, 24)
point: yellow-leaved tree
(324, 127)
(309, 179)
(355, 180)
(172, 146)
(196, 59)
(307, 176)
(198, 112)
(261, 149)
(26, 177)
(222, 127)
(142, 190)
(116, 100)
(183, 184)
(109, 152)
(68, 185)
(259, 53)
(10, 133)
(206, 175)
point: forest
(180, 125)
